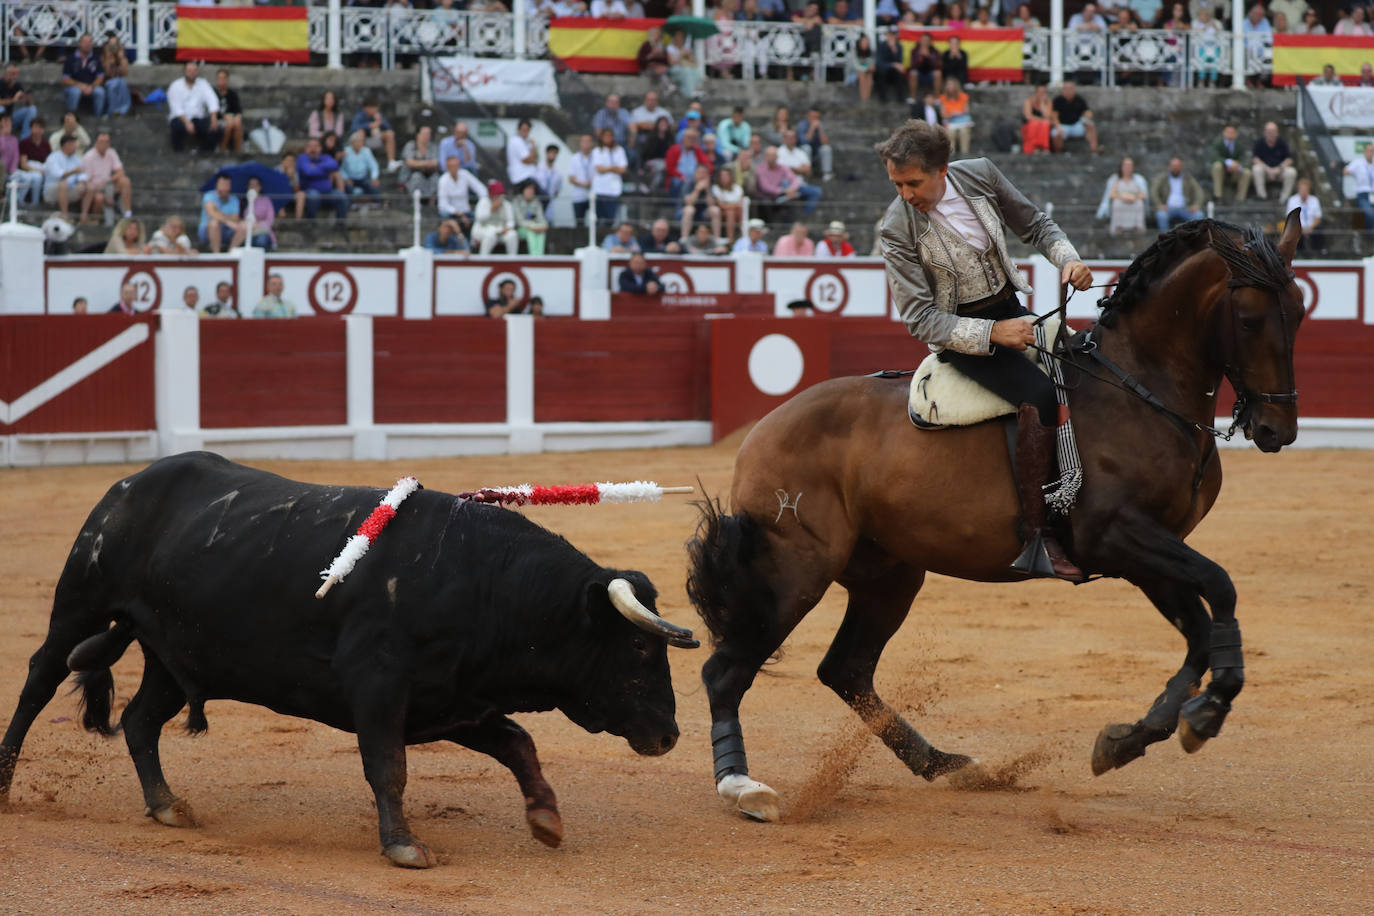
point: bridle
(1235, 369)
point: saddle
(942, 396)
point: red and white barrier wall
(392, 359)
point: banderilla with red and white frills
(589, 494)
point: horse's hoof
(942, 764)
(177, 814)
(752, 798)
(546, 826)
(972, 775)
(1192, 742)
(410, 855)
(1108, 753)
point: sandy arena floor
(1274, 816)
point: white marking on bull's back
(228, 500)
(95, 551)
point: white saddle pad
(943, 396)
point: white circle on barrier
(776, 364)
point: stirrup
(1034, 561)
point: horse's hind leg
(876, 609)
(1117, 745)
(159, 698)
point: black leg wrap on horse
(727, 748)
(1224, 650)
(1205, 713)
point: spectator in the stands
(83, 77)
(697, 205)
(223, 304)
(193, 110)
(287, 167)
(458, 144)
(773, 133)
(1087, 20)
(127, 238)
(1310, 24)
(330, 146)
(681, 163)
(753, 239)
(609, 164)
(711, 152)
(319, 177)
(105, 178)
(702, 242)
(580, 175)
(954, 62)
(982, 19)
(778, 183)
(1022, 18)
(659, 240)
(1176, 195)
(377, 130)
(695, 119)
(733, 133)
(743, 169)
(272, 305)
(1328, 77)
(548, 180)
(17, 101)
(841, 13)
(170, 238)
(652, 59)
(861, 66)
(1361, 168)
(956, 116)
(1292, 10)
(190, 297)
(420, 164)
(836, 242)
(1038, 130)
(115, 63)
(221, 223)
(794, 156)
(1072, 114)
(889, 67)
(617, 119)
(1228, 154)
(886, 13)
(454, 198)
(128, 300)
(795, 244)
(359, 168)
(522, 154)
(639, 277)
(811, 22)
(728, 197)
(923, 72)
(447, 239)
(1355, 25)
(505, 302)
(1366, 75)
(956, 17)
(1309, 215)
(62, 175)
(682, 65)
(9, 146)
(70, 125)
(328, 118)
(494, 221)
(1124, 199)
(622, 240)
(1271, 161)
(530, 223)
(264, 214)
(230, 113)
(646, 115)
(812, 135)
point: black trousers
(207, 139)
(1006, 372)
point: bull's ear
(1292, 233)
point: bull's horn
(623, 597)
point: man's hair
(370, 102)
(39, 121)
(224, 283)
(552, 146)
(524, 122)
(916, 143)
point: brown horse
(836, 485)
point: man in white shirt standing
(522, 158)
(580, 175)
(454, 187)
(1309, 214)
(1361, 168)
(194, 108)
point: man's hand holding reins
(1017, 333)
(1077, 273)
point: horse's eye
(1251, 324)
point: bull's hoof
(752, 798)
(546, 826)
(1192, 742)
(410, 855)
(1110, 750)
(942, 764)
(177, 814)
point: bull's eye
(1251, 324)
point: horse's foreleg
(1117, 745)
(1149, 551)
(876, 610)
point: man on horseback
(955, 287)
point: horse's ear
(1292, 232)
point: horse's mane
(1252, 259)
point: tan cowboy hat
(758, 224)
(835, 228)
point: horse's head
(1257, 323)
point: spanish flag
(599, 45)
(993, 54)
(244, 34)
(1305, 55)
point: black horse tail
(724, 581)
(91, 660)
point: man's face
(507, 289)
(1069, 90)
(637, 263)
(789, 138)
(1256, 14)
(222, 187)
(357, 140)
(36, 132)
(370, 111)
(651, 100)
(1329, 71)
(222, 81)
(584, 143)
(275, 286)
(1089, 10)
(68, 144)
(312, 147)
(192, 71)
(755, 234)
(770, 156)
(689, 140)
(126, 293)
(550, 155)
(85, 44)
(523, 130)
(1304, 188)
(798, 232)
(1229, 133)
(1175, 166)
(612, 101)
(102, 142)
(222, 291)
(12, 72)
(625, 232)
(460, 131)
(1271, 133)
(919, 188)
(191, 297)
(660, 230)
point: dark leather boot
(1041, 556)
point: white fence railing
(758, 49)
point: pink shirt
(788, 247)
(99, 169)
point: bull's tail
(91, 660)
(725, 582)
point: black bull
(459, 614)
